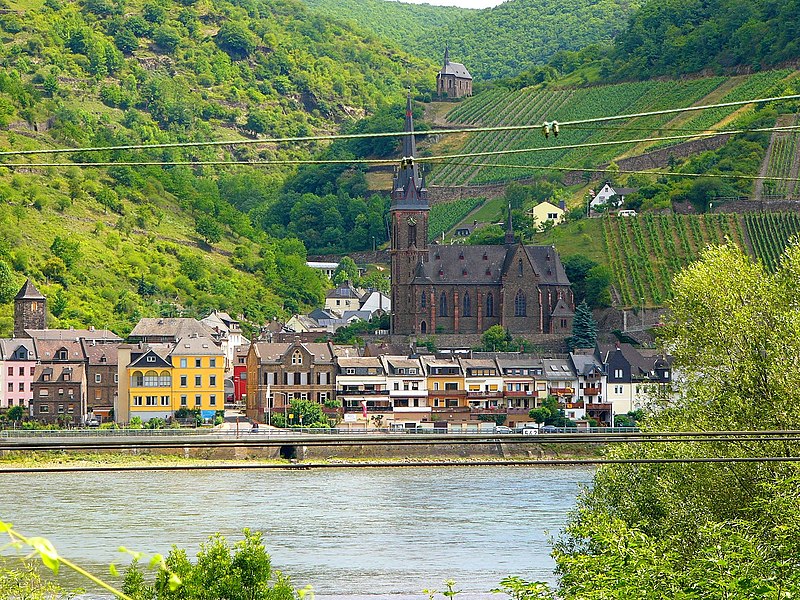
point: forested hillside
(115, 243)
(493, 42)
(400, 22)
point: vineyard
(531, 106)
(769, 234)
(644, 253)
(446, 215)
(782, 162)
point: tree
(584, 328)
(8, 287)
(15, 413)
(539, 415)
(681, 530)
(59, 303)
(235, 39)
(495, 339)
(346, 270)
(307, 413)
(208, 229)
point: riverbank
(352, 456)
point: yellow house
(163, 378)
(445, 384)
(198, 374)
(544, 211)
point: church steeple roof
(509, 228)
(29, 292)
(409, 190)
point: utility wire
(384, 161)
(350, 136)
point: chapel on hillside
(466, 289)
(453, 80)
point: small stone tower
(30, 310)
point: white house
(375, 300)
(326, 267)
(230, 331)
(609, 196)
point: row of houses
(382, 388)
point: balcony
(521, 394)
(591, 391)
(566, 391)
(380, 408)
(348, 391)
(598, 406)
(574, 405)
(494, 394)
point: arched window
(467, 305)
(164, 379)
(137, 379)
(519, 266)
(412, 235)
(520, 305)
(423, 327)
(423, 300)
(151, 379)
(443, 305)
(489, 305)
(297, 358)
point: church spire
(446, 55)
(509, 228)
(408, 185)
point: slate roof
(342, 291)
(9, 346)
(29, 292)
(557, 369)
(196, 346)
(457, 69)
(562, 310)
(95, 353)
(98, 335)
(273, 352)
(459, 264)
(141, 361)
(585, 364)
(174, 327)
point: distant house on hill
(453, 80)
(545, 211)
(610, 196)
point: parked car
(549, 429)
(93, 423)
(503, 429)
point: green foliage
(15, 413)
(705, 530)
(208, 229)
(26, 583)
(590, 281)
(539, 415)
(59, 303)
(584, 328)
(444, 216)
(306, 413)
(347, 270)
(235, 39)
(8, 285)
(242, 571)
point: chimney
(562, 204)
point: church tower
(409, 228)
(30, 310)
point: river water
(349, 533)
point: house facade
(102, 378)
(17, 364)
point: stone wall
(544, 343)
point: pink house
(17, 364)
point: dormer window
(151, 358)
(62, 355)
(297, 358)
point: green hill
(493, 42)
(115, 243)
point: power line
(627, 171)
(440, 158)
(350, 136)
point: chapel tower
(30, 310)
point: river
(349, 533)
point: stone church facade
(460, 289)
(453, 80)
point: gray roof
(272, 352)
(360, 361)
(585, 364)
(174, 327)
(562, 310)
(160, 361)
(196, 346)
(29, 292)
(486, 264)
(9, 346)
(342, 291)
(97, 335)
(557, 369)
(457, 69)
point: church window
(443, 305)
(467, 305)
(423, 300)
(489, 305)
(520, 304)
(297, 358)
(412, 235)
(423, 327)
(519, 266)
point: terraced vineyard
(783, 160)
(770, 233)
(645, 253)
(446, 215)
(532, 106)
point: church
(460, 289)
